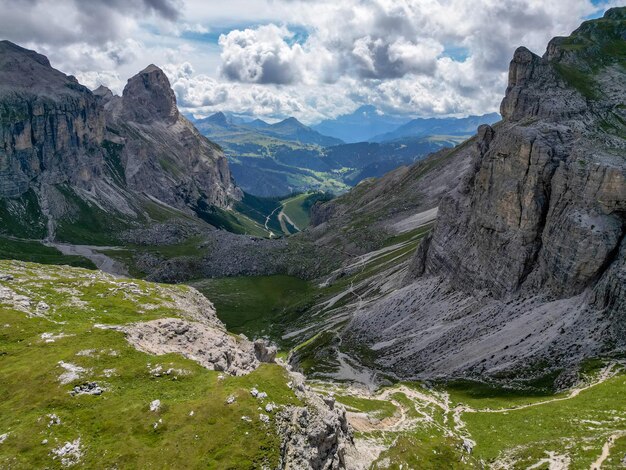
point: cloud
(313, 59)
(63, 22)
(261, 55)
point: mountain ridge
(528, 249)
(70, 154)
(422, 127)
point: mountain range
(272, 160)
(464, 310)
(360, 125)
(437, 126)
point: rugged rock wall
(51, 127)
(526, 263)
(162, 152)
(315, 436)
(544, 204)
(75, 149)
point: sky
(312, 59)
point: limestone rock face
(68, 148)
(315, 436)
(527, 259)
(51, 127)
(162, 152)
(208, 345)
(148, 97)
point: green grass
(578, 79)
(566, 426)
(22, 217)
(298, 207)
(90, 224)
(33, 251)
(380, 409)
(116, 428)
(257, 306)
(232, 221)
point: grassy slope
(215, 436)
(35, 252)
(298, 207)
(257, 306)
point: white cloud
(308, 58)
(261, 55)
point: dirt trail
(267, 221)
(284, 219)
(403, 420)
(605, 373)
(606, 450)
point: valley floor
(465, 427)
(425, 425)
(50, 343)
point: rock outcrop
(162, 152)
(526, 265)
(209, 346)
(316, 436)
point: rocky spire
(148, 97)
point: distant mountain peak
(103, 91)
(8, 47)
(259, 123)
(218, 118)
(151, 68)
(291, 121)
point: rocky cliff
(162, 152)
(75, 161)
(51, 127)
(527, 263)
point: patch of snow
(155, 405)
(3, 437)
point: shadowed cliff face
(50, 126)
(527, 259)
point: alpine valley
(372, 291)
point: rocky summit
(69, 152)
(462, 310)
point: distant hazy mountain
(422, 127)
(290, 130)
(361, 125)
(271, 160)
